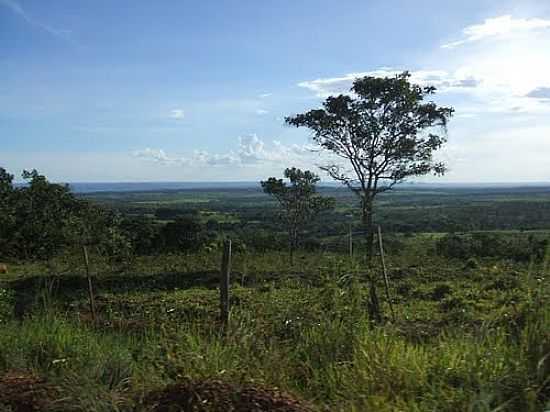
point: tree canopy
(299, 200)
(385, 131)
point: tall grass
(487, 348)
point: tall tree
(384, 131)
(380, 134)
(299, 201)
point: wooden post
(90, 286)
(224, 283)
(350, 244)
(386, 281)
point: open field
(468, 328)
(466, 335)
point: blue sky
(185, 90)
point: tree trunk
(291, 247)
(369, 232)
(375, 313)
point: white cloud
(501, 26)
(443, 80)
(177, 114)
(250, 151)
(203, 157)
(505, 77)
(261, 112)
(157, 155)
(501, 93)
(509, 155)
(265, 95)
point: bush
(440, 291)
(518, 248)
(6, 305)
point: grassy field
(466, 318)
(466, 335)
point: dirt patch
(217, 396)
(22, 391)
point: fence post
(386, 281)
(350, 244)
(224, 283)
(90, 286)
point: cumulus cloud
(250, 151)
(505, 77)
(498, 27)
(157, 155)
(177, 114)
(443, 80)
(261, 112)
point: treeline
(402, 211)
(502, 246)
(39, 220)
(467, 216)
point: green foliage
(94, 369)
(34, 216)
(6, 305)
(312, 339)
(299, 201)
(166, 213)
(385, 131)
(7, 209)
(142, 233)
(466, 246)
(183, 234)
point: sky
(136, 90)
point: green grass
(464, 339)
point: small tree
(299, 201)
(41, 219)
(185, 233)
(383, 133)
(7, 211)
(42, 210)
